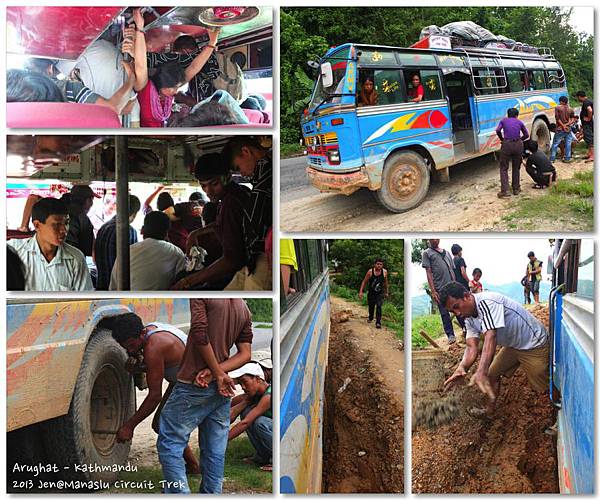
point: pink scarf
(161, 109)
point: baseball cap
(83, 191)
(263, 358)
(248, 369)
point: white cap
(263, 358)
(248, 369)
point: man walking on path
(439, 267)
(512, 132)
(502, 322)
(587, 123)
(377, 289)
(534, 276)
(562, 115)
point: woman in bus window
(368, 95)
(156, 94)
(416, 92)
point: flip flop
(267, 468)
(537, 186)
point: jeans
(260, 434)
(447, 321)
(189, 407)
(375, 302)
(559, 136)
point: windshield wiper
(327, 98)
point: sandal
(267, 468)
(539, 186)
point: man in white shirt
(504, 322)
(50, 264)
(153, 263)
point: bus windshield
(332, 94)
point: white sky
(502, 260)
(582, 18)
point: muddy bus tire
(541, 134)
(404, 182)
(102, 400)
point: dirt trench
(508, 453)
(364, 410)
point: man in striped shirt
(503, 322)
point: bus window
(431, 85)
(516, 80)
(585, 273)
(537, 79)
(485, 80)
(554, 79)
(386, 87)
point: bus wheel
(103, 399)
(541, 134)
(404, 183)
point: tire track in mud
(364, 407)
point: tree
(417, 249)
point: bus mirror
(326, 75)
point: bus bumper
(345, 183)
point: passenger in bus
(160, 347)
(102, 212)
(50, 263)
(214, 175)
(201, 398)
(24, 86)
(15, 271)
(105, 248)
(187, 217)
(587, 123)
(368, 95)
(81, 230)
(538, 166)
(154, 263)
(416, 92)
(218, 109)
(256, 413)
(164, 203)
(75, 91)
(562, 116)
(512, 132)
(156, 94)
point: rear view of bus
(572, 363)
(304, 331)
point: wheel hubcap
(405, 181)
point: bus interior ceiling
(66, 32)
(162, 159)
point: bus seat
(15, 234)
(258, 117)
(59, 115)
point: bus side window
(387, 87)
(431, 85)
(516, 80)
(537, 79)
(554, 80)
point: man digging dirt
(502, 322)
(377, 289)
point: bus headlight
(333, 156)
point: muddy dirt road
(467, 203)
(364, 414)
(509, 453)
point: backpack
(231, 78)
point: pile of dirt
(364, 414)
(507, 453)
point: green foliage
(351, 259)
(306, 34)
(431, 324)
(392, 316)
(417, 249)
(261, 309)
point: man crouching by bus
(256, 413)
(504, 322)
(51, 264)
(162, 348)
(511, 132)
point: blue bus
(572, 363)
(304, 330)
(395, 146)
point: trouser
(510, 152)
(534, 286)
(559, 136)
(588, 133)
(447, 321)
(375, 302)
(534, 363)
(539, 179)
(260, 279)
(190, 407)
(260, 434)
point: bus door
(459, 94)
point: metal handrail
(553, 294)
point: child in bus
(475, 285)
(156, 94)
(368, 95)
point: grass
(290, 150)
(431, 323)
(568, 201)
(392, 317)
(239, 476)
